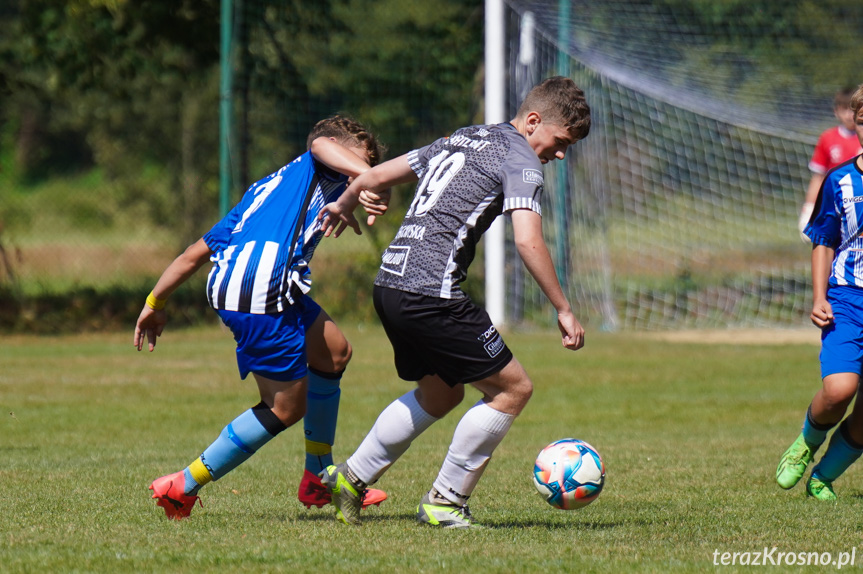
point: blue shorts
(273, 346)
(842, 342)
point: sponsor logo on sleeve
(533, 176)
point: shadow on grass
(366, 518)
(592, 526)
(503, 525)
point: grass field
(690, 434)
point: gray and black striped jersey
(465, 182)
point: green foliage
(123, 86)
(119, 85)
(89, 309)
(755, 40)
(408, 70)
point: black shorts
(451, 338)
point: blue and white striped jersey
(263, 246)
(837, 222)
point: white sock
(477, 435)
(394, 431)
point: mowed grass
(690, 435)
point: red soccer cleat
(313, 493)
(168, 491)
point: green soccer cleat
(443, 515)
(346, 496)
(793, 463)
(820, 489)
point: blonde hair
(559, 101)
(348, 132)
(857, 99)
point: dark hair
(559, 101)
(348, 132)
(842, 98)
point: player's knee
(519, 387)
(835, 400)
(522, 391)
(838, 394)
(342, 356)
(333, 358)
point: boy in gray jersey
(440, 338)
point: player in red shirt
(835, 146)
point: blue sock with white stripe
(319, 424)
(236, 443)
(841, 453)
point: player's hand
(822, 314)
(150, 325)
(375, 203)
(335, 219)
(571, 330)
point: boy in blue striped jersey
(836, 231)
(258, 285)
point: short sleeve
(418, 159)
(522, 180)
(217, 238)
(825, 225)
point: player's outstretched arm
(822, 261)
(152, 319)
(337, 216)
(337, 157)
(527, 230)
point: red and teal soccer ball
(569, 474)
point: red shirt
(835, 146)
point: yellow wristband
(154, 303)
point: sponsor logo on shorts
(533, 176)
(394, 260)
(494, 347)
(492, 341)
(489, 333)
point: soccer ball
(569, 474)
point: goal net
(680, 209)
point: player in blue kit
(837, 287)
(440, 338)
(258, 283)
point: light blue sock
(814, 433)
(239, 440)
(319, 424)
(841, 453)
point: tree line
(126, 86)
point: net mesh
(680, 208)
(400, 67)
